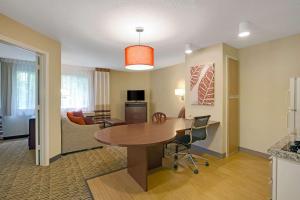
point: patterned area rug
(63, 179)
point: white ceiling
(95, 32)
(13, 52)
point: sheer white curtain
(76, 89)
(21, 87)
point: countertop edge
(276, 151)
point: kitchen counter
(278, 151)
(285, 171)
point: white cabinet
(285, 179)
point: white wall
(265, 70)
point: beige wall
(120, 82)
(164, 81)
(163, 84)
(26, 37)
(265, 70)
(212, 54)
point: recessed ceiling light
(188, 49)
(244, 29)
(244, 34)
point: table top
(143, 134)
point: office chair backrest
(199, 128)
(159, 117)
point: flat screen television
(135, 95)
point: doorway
(20, 108)
(233, 106)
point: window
(76, 90)
(17, 87)
(25, 90)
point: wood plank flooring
(239, 177)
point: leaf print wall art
(202, 84)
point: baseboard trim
(198, 149)
(253, 152)
(14, 137)
(55, 158)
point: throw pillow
(77, 120)
(78, 114)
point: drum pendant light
(139, 57)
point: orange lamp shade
(139, 57)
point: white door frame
(44, 92)
(37, 108)
(226, 102)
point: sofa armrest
(78, 137)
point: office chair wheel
(195, 171)
(175, 166)
(206, 164)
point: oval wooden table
(144, 144)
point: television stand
(135, 112)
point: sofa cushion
(89, 120)
(77, 120)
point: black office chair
(198, 132)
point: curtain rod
(102, 69)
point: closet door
(233, 106)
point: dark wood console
(31, 138)
(135, 112)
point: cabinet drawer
(135, 112)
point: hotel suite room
(140, 104)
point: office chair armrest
(199, 127)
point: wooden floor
(239, 177)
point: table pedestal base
(141, 159)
